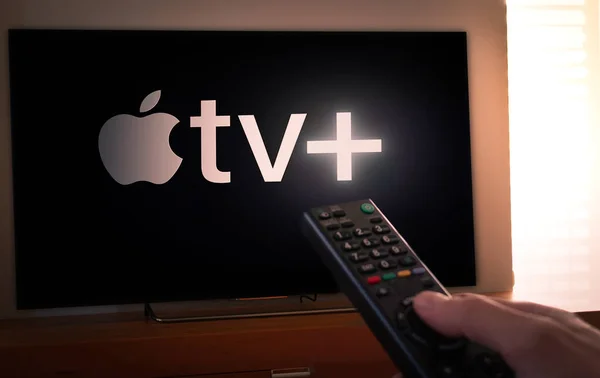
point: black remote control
(380, 274)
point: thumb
(479, 319)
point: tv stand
(259, 308)
(127, 345)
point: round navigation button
(422, 333)
(367, 208)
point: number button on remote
(397, 250)
(378, 253)
(351, 246)
(359, 257)
(381, 229)
(342, 235)
(362, 232)
(390, 239)
(370, 242)
(388, 264)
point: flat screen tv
(157, 166)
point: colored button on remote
(367, 208)
(374, 280)
(404, 273)
(408, 260)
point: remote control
(380, 273)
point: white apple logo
(136, 149)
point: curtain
(553, 71)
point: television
(174, 165)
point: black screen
(117, 202)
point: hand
(537, 341)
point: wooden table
(128, 345)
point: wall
(484, 19)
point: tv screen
(154, 166)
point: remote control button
(419, 270)
(382, 292)
(346, 222)
(362, 232)
(388, 264)
(342, 235)
(324, 215)
(373, 280)
(367, 208)
(451, 345)
(375, 220)
(492, 366)
(403, 273)
(390, 239)
(447, 371)
(423, 334)
(401, 319)
(370, 242)
(378, 253)
(408, 260)
(407, 301)
(397, 250)
(351, 246)
(381, 229)
(339, 213)
(331, 224)
(427, 282)
(359, 257)
(367, 268)
(388, 276)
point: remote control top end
(380, 274)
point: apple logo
(136, 149)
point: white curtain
(554, 87)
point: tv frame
(486, 25)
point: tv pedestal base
(150, 314)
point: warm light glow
(552, 61)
